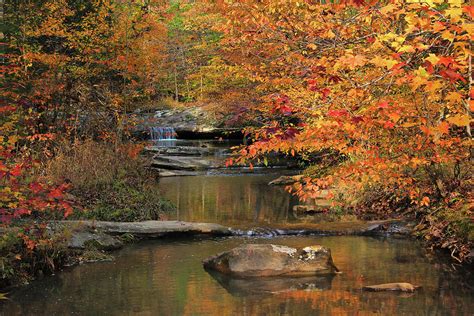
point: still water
(233, 200)
(166, 278)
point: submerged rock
(258, 260)
(400, 287)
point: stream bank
(216, 211)
(106, 235)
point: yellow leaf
(330, 34)
(447, 35)
(387, 9)
(12, 139)
(407, 49)
(409, 124)
(384, 62)
(454, 13)
(454, 97)
(459, 119)
(432, 58)
(469, 28)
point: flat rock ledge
(151, 229)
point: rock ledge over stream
(152, 228)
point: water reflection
(271, 285)
(167, 278)
(232, 200)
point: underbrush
(445, 220)
(438, 199)
(27, 253)
(108, 182)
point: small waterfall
(162, 133)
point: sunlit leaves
(400, 99)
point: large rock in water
(258, 260)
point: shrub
(30, 251)
(109, 182)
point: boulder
(98, 240)
(400, 287)
(260, 260)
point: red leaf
(388, 125)
(398, 66)
(16, 171)
(428, 66)
(357, 119)
(446, 61)
(7, 108)
(36, 187)
(334, 79)
(384, 105)
(55, 194)
(452, 75)
(20, 212)
(337, 113)
(359, 3)
(469, 10)
(325, 93)
(68, 210)
(285, 110)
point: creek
(165, 277)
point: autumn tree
(385, 88)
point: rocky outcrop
(261, 260)
(188, 122)
(185, 163)
(398, 287)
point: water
(166, 278)
(233, 200)
(162, 133)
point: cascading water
(162, 133)
(163, 136)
